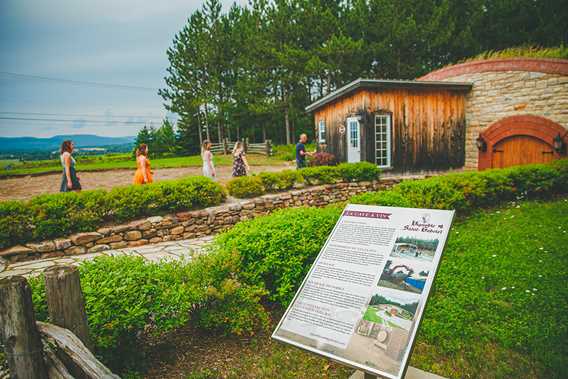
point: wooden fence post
(225, 146)
(18, 330)
(246, 145)
(65, 302)
(268, 147)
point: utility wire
(79, 120)
(78, 82)
(85, 115)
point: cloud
(106, 41)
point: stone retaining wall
(187, 225)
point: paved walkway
(172, 250)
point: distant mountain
(24, 144)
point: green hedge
(127, 299)
(277, 250)
(50, 216)
(244, 187)
(465, 192)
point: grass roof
(560, 52)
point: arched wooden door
(520, 150)
(519, 140)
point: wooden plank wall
(428, 126)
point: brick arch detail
(544, 65)
(525, 125)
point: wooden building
(401, 125)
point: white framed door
(353, 140)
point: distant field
(121, 161)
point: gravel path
(29, 186)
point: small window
(321, 131)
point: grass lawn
(126, 161)
(499, 309)
(500, 302)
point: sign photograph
(363, 298)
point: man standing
(301, 151)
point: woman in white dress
(207, 156)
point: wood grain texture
(428, 126)
(65, 302)
(18, 332)
(74, 355)
(521, 150)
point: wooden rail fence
(226, 147)
(38, 350)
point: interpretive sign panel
(363, 299)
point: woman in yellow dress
(143, 174)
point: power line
(80, 120)
(85, 115)
(78, 82)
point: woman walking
(143, 173)
(207, 156)
(70, 181)
(240, 164)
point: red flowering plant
(323, 159)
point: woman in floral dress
(240, 164)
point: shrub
(561, 182)
(283, 180)
(321, 175)
(50, 216)
(126, 298)
(385, 198)
(245, 186)
(467, 191)
(533, 180)
(362, 171)
(16, 221)
(288, 178)
(276, 251)
(432, 193)
(322, 159)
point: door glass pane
(354, 134)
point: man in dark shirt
(301, 151)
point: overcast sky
(104, 41)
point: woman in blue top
(70, 181)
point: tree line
(250, 71)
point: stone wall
(188, 225)
(508, 87)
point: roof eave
(375, 83)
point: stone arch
(537, 127)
